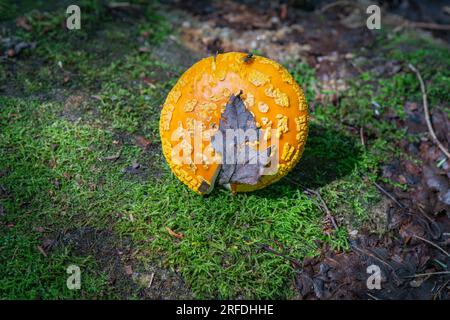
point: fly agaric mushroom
(233, 91)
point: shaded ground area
(83, 180)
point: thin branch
(361, 136)
(427, 112)
(324, 206)
(151, 280)
(336, 3)
(372, 296)
(42, 251)
(115, 157)
(428, 274)
(388, 194)
(374, 257)
(377, 258)
(433, 244)
(429, 25)
(440, 289)
(271, 250)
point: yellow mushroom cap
(199, 98)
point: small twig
(428, 274)
(115, 157)
(421, 25)
(334, 4)
(372, 296)
(123, 5)
(377, 258)
(269, 249)
(151, 280)
(427, 112)
(388, 194)
(440, 289)
(429, 25)
(324, 206)
(356, 67)
(433, 244)
(42, 251)
(315, 88)
(373, 256)
(361, 135)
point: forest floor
(83, 180)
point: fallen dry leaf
(142, 142)
(174, 234)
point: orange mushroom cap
(199, 99)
